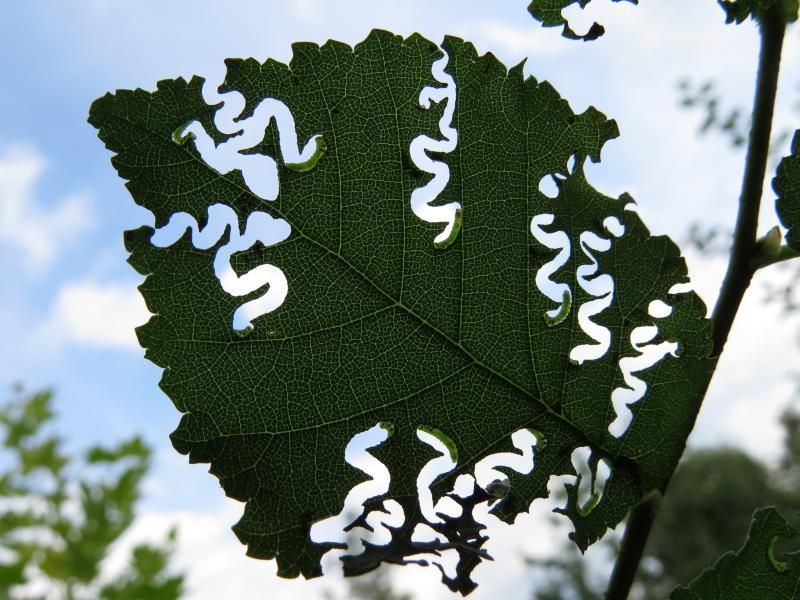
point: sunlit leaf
(489, 321)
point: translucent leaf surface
(755, 571)
(549, 13)
(787, 185)
(425, 299)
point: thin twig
(737, 278)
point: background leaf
(738, 11)
(61, 517)
(754, 571)
(787, 185)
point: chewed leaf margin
(755, 570)
(787, 186)
(549, 13)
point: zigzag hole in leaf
(591, 482)
(599, 285)
(649, 355)
(259, 171)
(558, 292)
(375, 525)
(492, 483)
(423, 197)
(449, 526)
(493, 480)
(433, 469)
(260, 228)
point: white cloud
(213, 559)
(38, 230)
(306, 10)
(100, 315)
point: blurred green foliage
(59, 515)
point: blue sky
(69, 302)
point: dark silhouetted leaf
(738, 11)
(754, 571)
(382, 325)
(787, 185)
(549, 13)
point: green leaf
(549, 13)
(787, 185)
(754, 571)
(45, 455)
(11, 575)
(738, 11)
(68, 519)
(409, 329)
